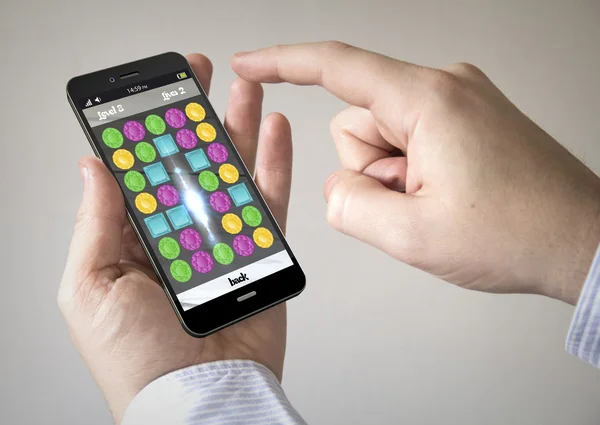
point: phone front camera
(111, 79)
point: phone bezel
(225, 310)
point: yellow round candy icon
(195, 112)
(206, 132)
(228, 173)
(263, 237)
(146, 203)
(123, 159)
(231, 223)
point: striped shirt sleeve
(219, 393)
(583, 339)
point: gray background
(377, 342)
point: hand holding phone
(208, 234)
(117, 312)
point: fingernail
(240, 54)
(84, 172)
(329, 184)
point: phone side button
(245, 297)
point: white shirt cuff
(225, 392)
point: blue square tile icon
(179, 217)
(157, 224)
(197, 160)
(240, 194)
(156, 173)
(165, 145)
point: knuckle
(336, 205)
(342, 211)
(237, 87)
(466, 69)
(339, 46)
(333, 212)
(82, 219)
(335, 125)
(278, 49)
(85, 218)
(444, 83)
(447, 88)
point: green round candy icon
(223, 253)
(181, 271)
(208, 180)
(112, 138)
(169, 248)
(135, 181)
(155, 124)
(252, 216)
(145, 152)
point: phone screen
(186, 188)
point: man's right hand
(484, 198)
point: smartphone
(207, 231)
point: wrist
(574, 253)
(119, 399)
(120, 390)
(574, 276)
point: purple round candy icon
(243, 245)
(186, 138)
(202, 262)
(167, 195)
(134, 131)
(220, 202)
(175, 118)
(190, 239)
(217, 153)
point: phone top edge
(74, 83)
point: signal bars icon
(88, 103)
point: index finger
(354, 75)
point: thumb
(96, 242)
(362, 207)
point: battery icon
(181, 75)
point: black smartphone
(207, 231)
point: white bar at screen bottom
(220, 286)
